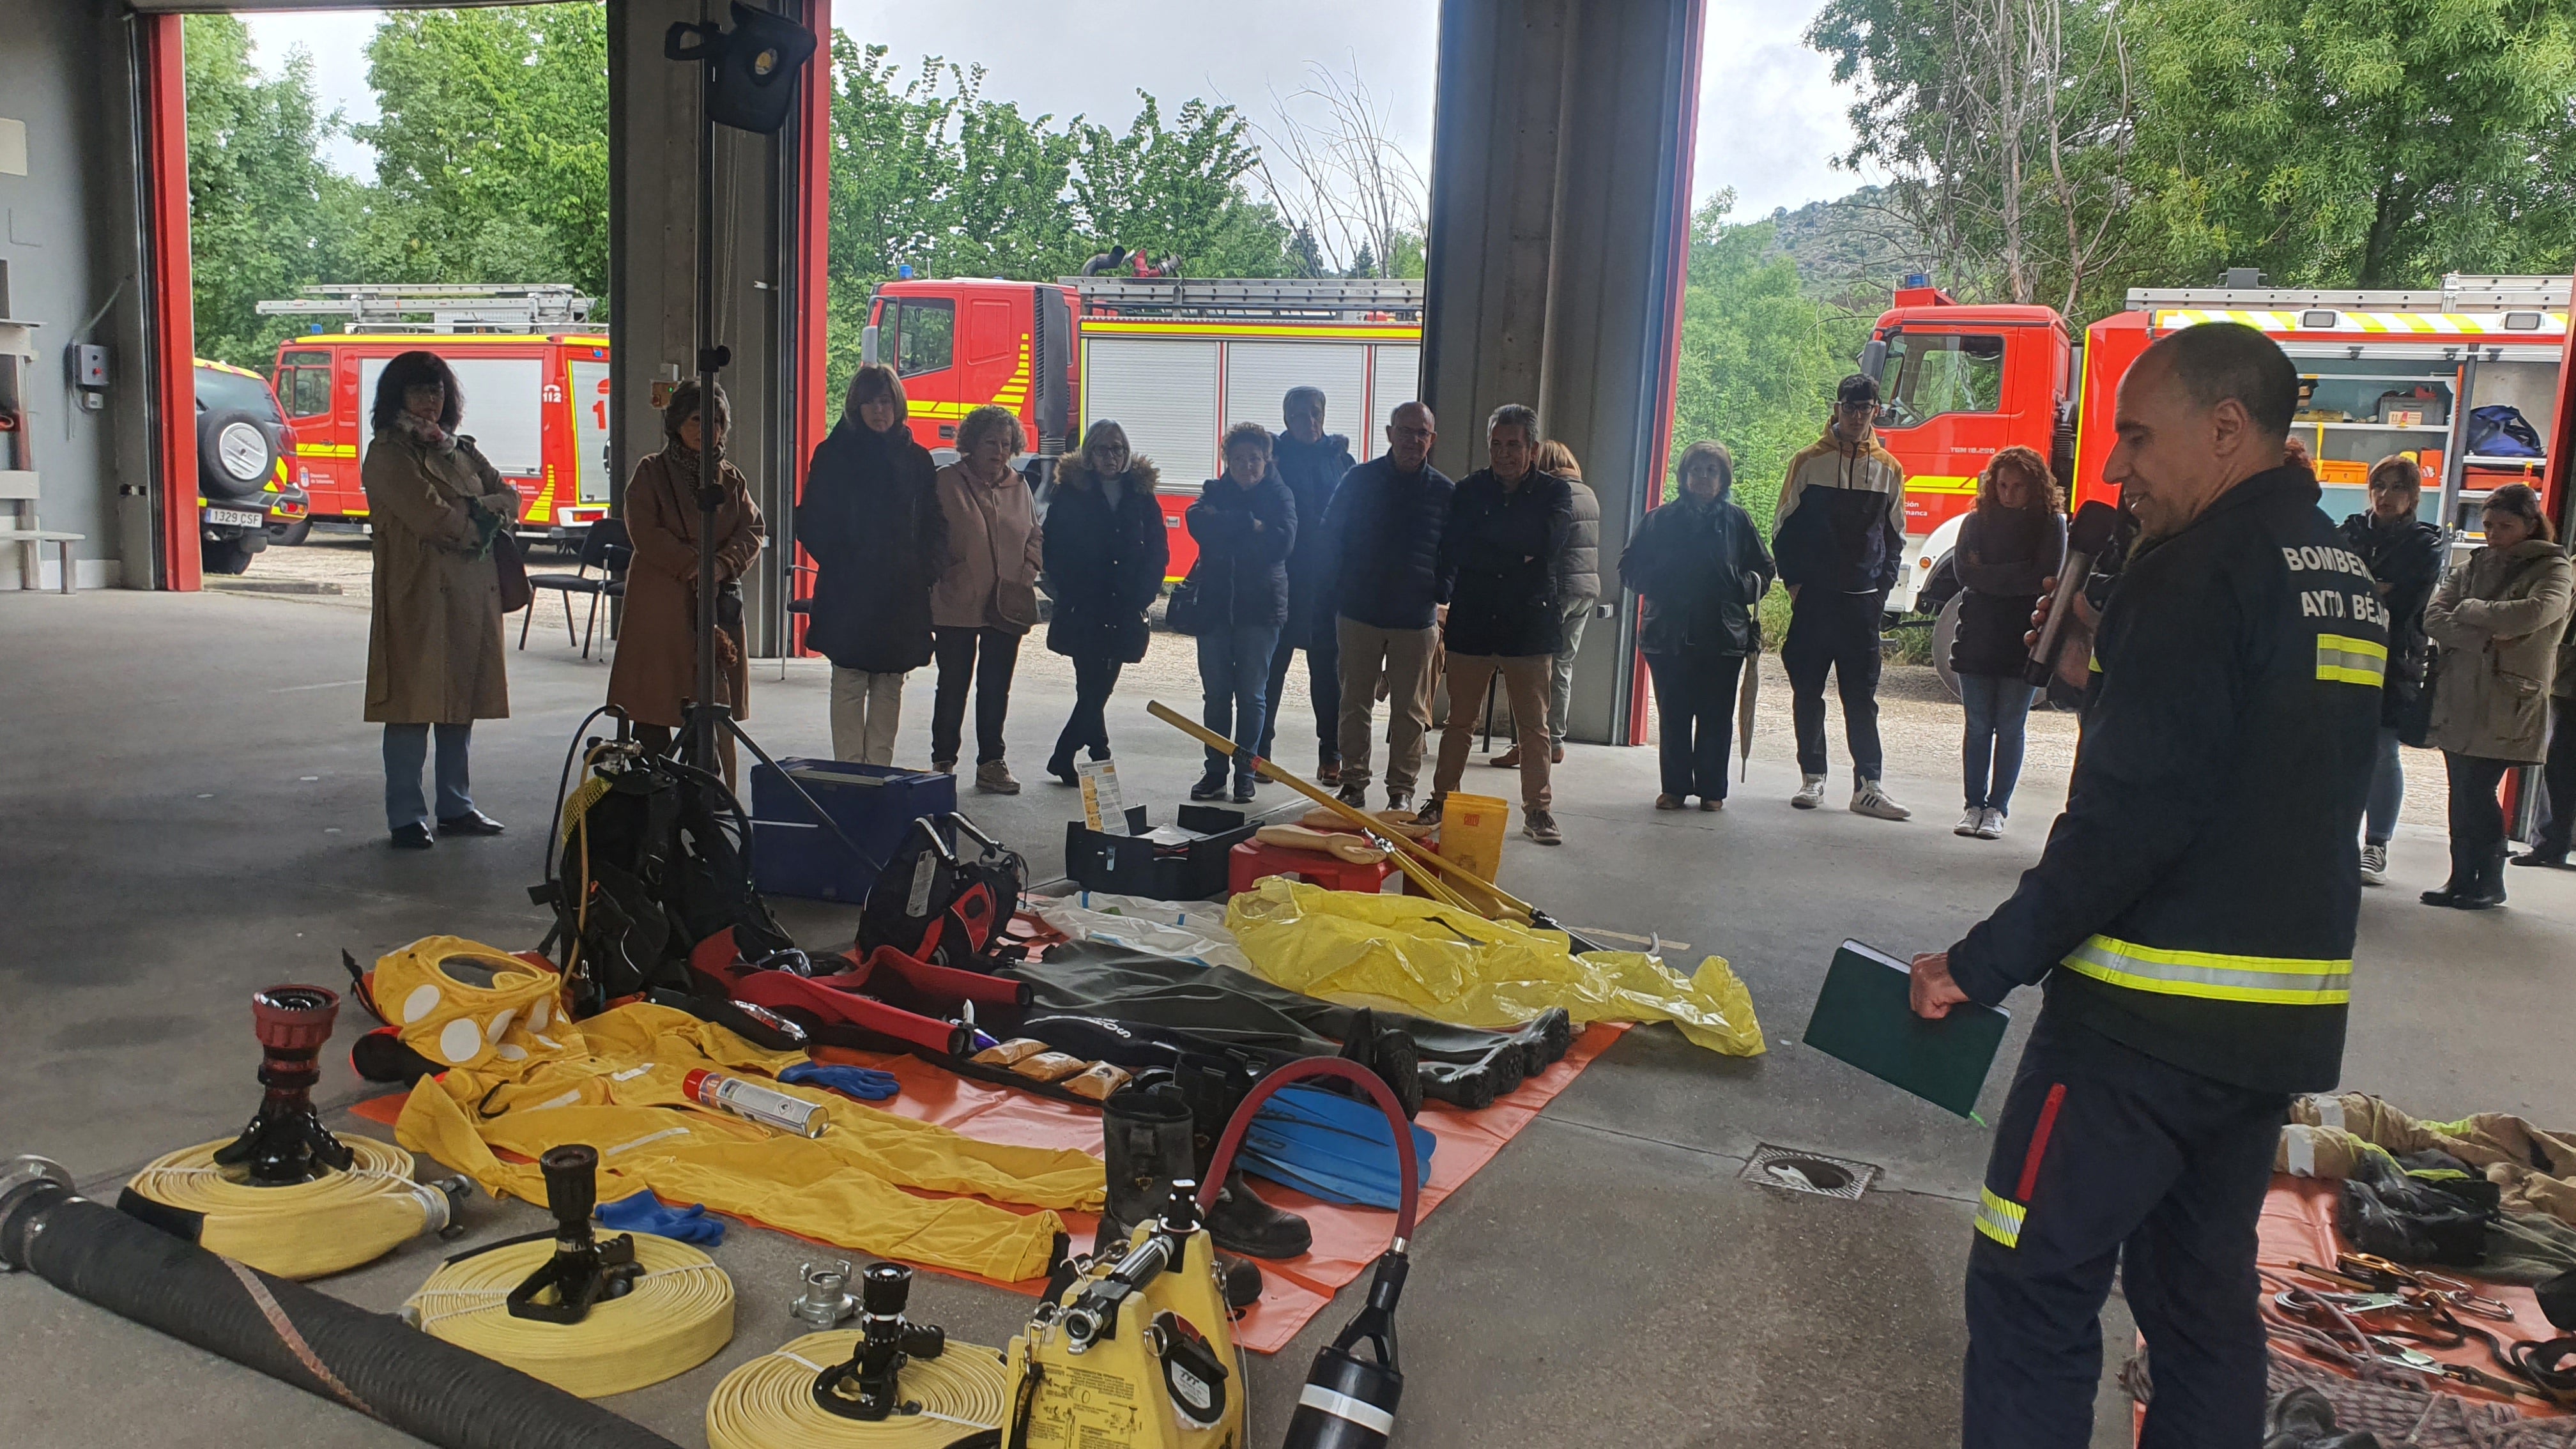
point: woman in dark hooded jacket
(2011, 543)
(1700, 564)
(871, 521)
(1105, 553)
(1245, 523)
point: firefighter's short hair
(1246, 435)
(874, 381)
(2215, 361)
(989, 419)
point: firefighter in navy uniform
(2190, 921)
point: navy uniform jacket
(2197, 899)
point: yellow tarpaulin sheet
(1408, 954)
(614, 1084)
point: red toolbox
(1252, 860)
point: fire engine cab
(2382, 372)
(533, 374)
(1176, 361)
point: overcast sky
(1770, 118)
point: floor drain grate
(1809, 1172)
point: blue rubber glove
(865, 1083)
(644, 1213)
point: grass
(1912, 645)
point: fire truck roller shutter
(1399, 381)
(1259, 374)
(1164, 392)
(502, 412)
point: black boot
(2486, 890)
(2463, 881)
(1388, 1052)
(1151, 1141)
(1243, 1223)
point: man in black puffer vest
(1388, 582)
(1311, 462)
(2192, 919)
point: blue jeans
(406, 746)
(1234, 671)
(1998, 708)
(2387, 790)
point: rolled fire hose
(299, 1230)
(370, 1362)
(768, 1403)
(674, 1318)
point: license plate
(236, 516)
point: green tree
(492, 149)
(2361, 143)
(266, 214)
(1759, 356)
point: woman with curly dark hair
(434, 653)
(2011, 542)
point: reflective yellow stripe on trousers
(1999, 1217)
(2275, 980)
(2345, 660)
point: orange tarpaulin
(1347, 1239)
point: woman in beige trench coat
(434, 653)
(656, 673)
(2498, 619)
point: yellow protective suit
(614, 1082)
(1408, 954)
(2536, 1169)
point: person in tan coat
(987, 596)
(2497, 619)
(656, 673)
(434, 652)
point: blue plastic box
(793, 854)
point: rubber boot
(1389, 1052)
(2463, 881)
(1150, 1138)
(2486, 889)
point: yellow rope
(768, 1403)
(675, 1318)
(303, 1230)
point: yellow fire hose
(768, 1403)
(677, 1315)
(1424, 868)
(301, 1230)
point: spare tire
(236, 456)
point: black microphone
(2086, 537)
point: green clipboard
(1865, 1017)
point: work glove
(645, 1213)
(865, 1083)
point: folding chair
(603, 547)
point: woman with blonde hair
(986, 597)
(1106, 550)
(870, 519)
(2012, 541)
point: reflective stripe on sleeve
(2276, 980)
(2345, 660)
(1999, 1217)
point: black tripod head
(583, 1271)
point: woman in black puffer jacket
(1105, 553)
(870, 519)
(1701, 567)
(2011, 543)
(1245, 522)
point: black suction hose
(371, 1362)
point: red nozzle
(294, 1018)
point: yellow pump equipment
(1138, 1351)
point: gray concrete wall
(1558, 191)
(654, 116)
(70, 233)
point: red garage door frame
(173, 321)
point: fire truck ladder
(1327, 299)
(2458, 293)
(400, 307)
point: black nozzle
(583, 1270)
(572, 1186)
(884, 1289)
(868, 1387)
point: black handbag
(1184, 614)
(2415, 718)
(512, 567)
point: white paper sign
(1102, 809)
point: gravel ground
(1918, 721)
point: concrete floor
(193, 812)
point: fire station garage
(1656, 1216)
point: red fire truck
(2383, 372)
(1175, 361)
(534, 378)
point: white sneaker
(1992, 826)
(1810, 794)
(1871, 799)
(2374, 865)
(1970, 823)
